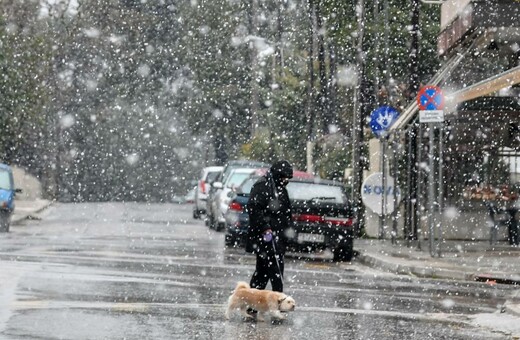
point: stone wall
(30, 185)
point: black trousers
(269, 266)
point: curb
(405, 269)
(25, 216)
(498, 278)
(511, 307)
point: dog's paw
(278, 316)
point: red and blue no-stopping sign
(430, 98)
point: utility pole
(377, 53)
(323, 97)
(279, 37)
(255, 120)
(414, 158)
(310, 87)
(332, 85)
(357, 119)
(414, 48)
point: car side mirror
(217, 185)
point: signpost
(380, 121)
(431, 111)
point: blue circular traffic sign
(382, 118)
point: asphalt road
(139, 271)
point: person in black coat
(269, 211)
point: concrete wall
(465, 225)
(30, 185)
(450, 10)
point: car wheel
(211, 222)
(196, 214)
(4, 223)
(220, 226)
(230, 241)
(344, 253)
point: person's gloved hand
(268, 235)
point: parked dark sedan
(322, 217)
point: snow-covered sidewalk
(25, 209)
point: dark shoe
(275, 321)
(249, 319)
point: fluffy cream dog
(263, 301)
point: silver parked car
(211, 220)
(220, 200)
(207, 177)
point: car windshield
(247, 185)
(5, 180)
(301, 191)
(212, 176)
(237, 178)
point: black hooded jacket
(269, 206)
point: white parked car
(207, 177)
(219, 203)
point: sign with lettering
(373, 190)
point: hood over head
(282, 169)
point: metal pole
(388, 66)
(382, 217)
(376, 51)
(409, 204)
(431, 189)
(441, 186)
(420, 175)
(395, 175)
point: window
(5, 180)
(311, 191)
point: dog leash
(276, 260)
(275, 193)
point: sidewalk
(25, 209)
(461, 260)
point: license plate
(314, 238)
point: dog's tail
(242, 285)
(230, 305)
